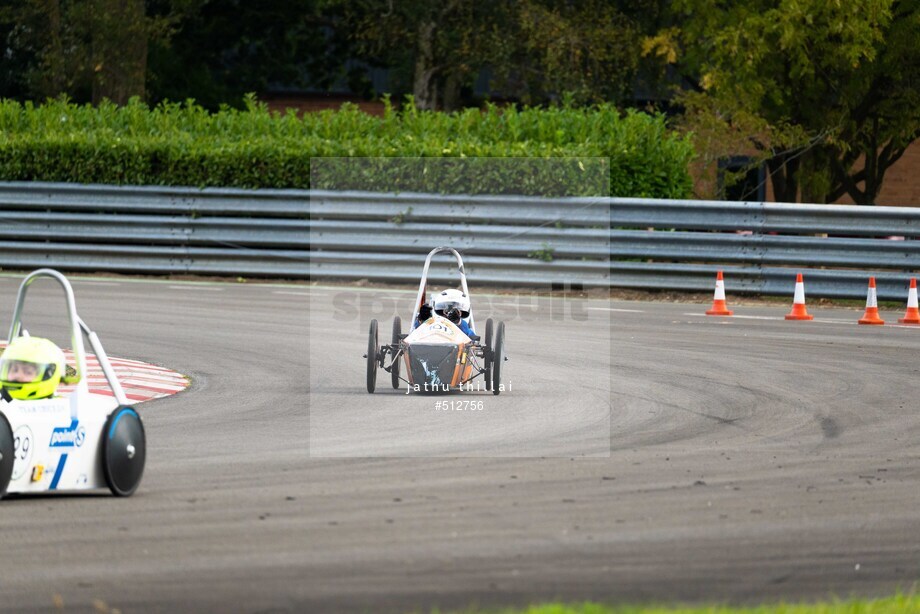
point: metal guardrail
(591, 242)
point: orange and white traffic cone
(719, 308)
(798, 302)
(912, 315)
(871, 315)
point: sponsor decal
(434, 378)
(68, 436)
(39, 407)
(58, 472)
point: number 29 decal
(22, 451)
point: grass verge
(897, 604)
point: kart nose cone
(432, 364)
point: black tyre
(7, 454)
(372, 357)
(487, 361)
(498, 356)
(124, 451)
(394, 370)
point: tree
(433, 48)
(36, 34)
(588, 51)
(231, 47)
(826, 92)
(535, 51)
(883, 115)
(86, 49)
(115, 35)
(18, 58)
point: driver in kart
(451, 304)
(31, 368)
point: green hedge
(182, 144)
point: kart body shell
(56, 448)
(82, 441)
(438, 353)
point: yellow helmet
(31, 368)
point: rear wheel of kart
(498, 355)
(124, 450)
(7, 454)
(372, 357)
(487, 360)
(394, 370)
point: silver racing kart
(436, 355)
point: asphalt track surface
(747, 459)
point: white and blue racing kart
(436, 355)
(78, 442)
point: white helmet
(451, 299)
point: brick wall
(901, 186)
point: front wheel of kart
(124, 450)
(7, 454)
(498, 356)
(394, 370)
(372, 357)
(487, 358)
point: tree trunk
(119, 41)
(450, 97)
(872, 185)
(424, 86)
(877, 160)
(815, 175)
(783, 171)
(56, 80)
